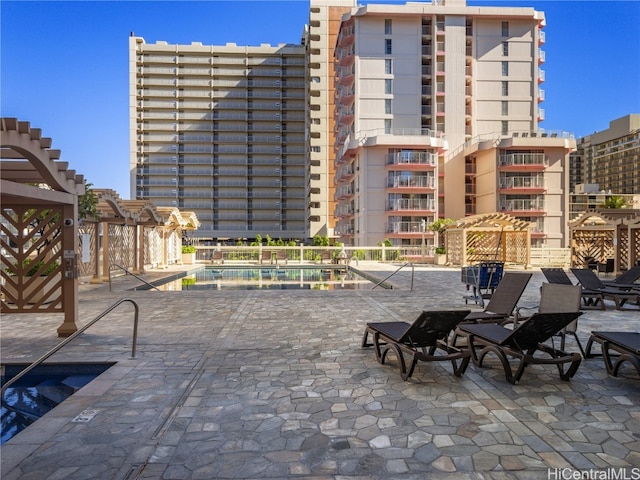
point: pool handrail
(396, 271)
(77, 333)
(129, 273)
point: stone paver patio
(274, 384)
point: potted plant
(33, 289)
(440, 257)
(188, 254)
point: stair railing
(77, 333)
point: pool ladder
(77, 333)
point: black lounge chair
(420, 340)
(626, 344)
(590, 298)
(626, 280)
(559, 298)
(522, 343)
(504, 300)
(590, 281)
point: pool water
(278, 278)
(40, 391)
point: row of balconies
(221, 83)
(221, 149)
(288, 138)
(222, 72)
(185, 118)
(148, 93)
(222, 182)
(185, 59)
(187, 160)
(208, 173)
(295, 194)
(232, 105)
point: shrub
(441, 250)
(188, 249)
(33, 269)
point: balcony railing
(412, 158)
(523, 159)
(522, 182)
(418, 181)
(405, 227)
(412, 204)
(522, 205)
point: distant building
(611, 158)
(220, 131)
(589, 198)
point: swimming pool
(274, 278)
(40, 391)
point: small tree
(614, 201)
(438, 227)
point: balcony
(413, 181)
(527, 184)
(413, 228)
(412, 204)
(523, 160)
(412, 158)
(522, 205)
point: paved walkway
(274, 384)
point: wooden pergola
(606, 233)
(39, 197)
(488, 237)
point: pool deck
(274, 384)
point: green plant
(33, 269)
(188, 249)
(441, 250)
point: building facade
(437, 113)
(220, 131)
(611, 158)
(320, 39)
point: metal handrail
(69, 339)
(130, 273)
(393, 273)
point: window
(387, 46)
(387, 26)
(315, 149)
(505, 127)
(388, 66)
(388, 85)
(387, 105)
(505, 89)
(505, 49)
(505, 108)
(505, 29)
(505, 69)
(387, 125)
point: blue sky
(64, 65)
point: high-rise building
(611, 158)
(220, 131)
(437, 112)
(320, 41)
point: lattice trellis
(597, 244)
(121, 245)
(32, 259)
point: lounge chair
(558, 298)
(216, 257)
(590, 281)
(626, 280)
(626, 344)
(281, 256)
(504, 299)
(522, 342)
(421, 340)
(325, 255)
(590, 298)
(267, 256)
